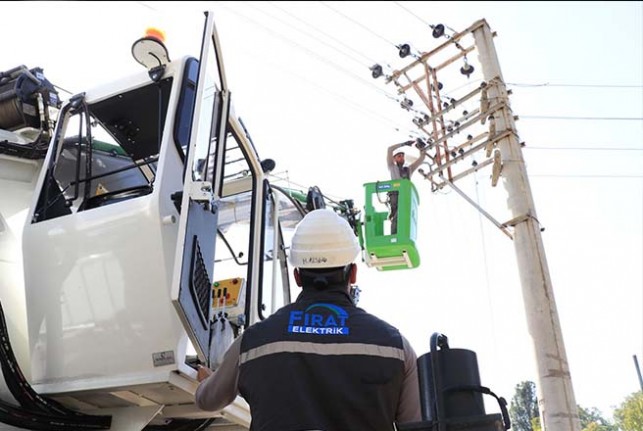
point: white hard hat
(399, 151)
(323, 239)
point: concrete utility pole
(558, 410)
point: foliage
(591, 420)
(525, 414)
(524, 407)
(629, 416)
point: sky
(300, 80)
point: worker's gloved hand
(202, 373)
(420, 144)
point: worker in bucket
(320, 363)
(395, 160)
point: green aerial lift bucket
(382, 249)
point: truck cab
(147, 236)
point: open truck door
(194, 260)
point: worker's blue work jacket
(321, 363)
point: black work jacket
(321, 363)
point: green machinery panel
(384, 250)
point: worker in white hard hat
(320, 363)
(395, 160)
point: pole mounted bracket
(497, 167)
(517, 220)
(521, 219)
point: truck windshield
(106, 151)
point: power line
(585, 176)
(142, 3)
(325, 60)
(321, 58)
(422, 20)
(307, 24)
(413, 14)
(436, 28)
(352, 103)
(547, 84)
(485, 253)
(540, 85)
(548, 117)
(287, 179)
(359, 24)
(349, 102)
(585, 148)
(366, 110)
(309, 51)
(330, 46)
(307, 33)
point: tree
(629, 417)
(524, 406)
(592, 420)
(525, 414)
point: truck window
(235, 221)
(105, 152)
(275, 286)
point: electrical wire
(605, 118)
(584, 148)
(307, 24)
(333, 199)
(379, 36)
(433, 26)
(348, 101)
(547, 84)
(358, 106)
(308, 51)
(377, 116)
(485, 264)
(311, 36)
(412, 14)
(323, 60)
(553, 117)
(584, 176)
(420, 19)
